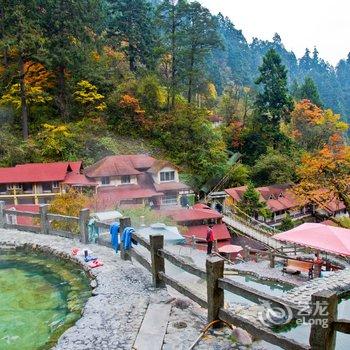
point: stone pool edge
(58, 254)
(96, 276)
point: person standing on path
(210, 239)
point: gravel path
(112, 317)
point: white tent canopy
(171, 233)
(107, 216)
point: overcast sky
(300, 23)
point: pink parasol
(329, 239)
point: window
(55, 184)
(47, 187)
(125, 179)
(169, 199)
(27, 187)
(105, 180)
(167, 176)
(3, 188)
(14, 187)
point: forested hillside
(81, 79)
(240, 62)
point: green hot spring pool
(40, 297)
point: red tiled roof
(184, 215)
(120, 165)
(109, 196)
(277, 197)
(329, 223)
(201, 206)
(76, 179)
(171, 186)
(128, 192)
(200, 231)
(334, 206)
(237, 192)
(37, 172)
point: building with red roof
(195, 223)
(278, 198)
(135, 180)
(37, 183)
(281, 200)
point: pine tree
(273, 103)
(170, 15)
(69, 27)
(21, 34)
(251, 204)
(309, 91)
(200, 36)
(130, 25)
(287, 223)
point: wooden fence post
(157, 242)
(215, 295)
(272, 260)
(2, 214)
(246, 251)
(44, 222)
(324, 313)
(84, 216)
(124, 223)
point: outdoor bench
(297, 266)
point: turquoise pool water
(40, 297)
(272, 288)
(301, 333)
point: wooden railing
(320, 338)
(43, 222)
(217, 285)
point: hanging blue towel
(127, 237)
(114, 231)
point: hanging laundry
(127, 238)
(114, 232)
(93, 231)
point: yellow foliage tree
(37, 80)
(55, 142)
(88, 96)
(70, 204)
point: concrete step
(153, 327)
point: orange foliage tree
(325, 175)
(312, 127)
(132, 112)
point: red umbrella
(330, 239)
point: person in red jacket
(210, 239)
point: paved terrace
(122, 293)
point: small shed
(171, 233)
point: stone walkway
(335, 281)
(112, 317)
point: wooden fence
(320, 338)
